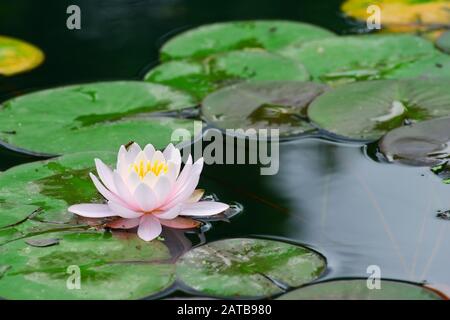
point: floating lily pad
(35, 196)
(443, 42)
(98, 116)
(248, 267)
(424, 144)
(268, 105)
(221, 37)
(357, 289)
(353, 58)
(109, 267)
(367, 110)
(403, 15)
(434, 66)
(201, 77)
(38, 248)
(18, 56)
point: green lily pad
(355, 58)
(38, 248)
(18, 56)
(367, 110)
(35, 196)
(248, 267)
(201, 77)
(92, 117)
(221, 37)
(434, 66)
(424, 144)
(267, 105)
(357, 289)
(110, 266)
(443, 42)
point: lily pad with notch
(97, 116)
(229, 36)
(267, 105)
(37, 195)
(201, 77)
(357, 289)
(359, 58)
(248, 268)
(365, 111)
(86, 265)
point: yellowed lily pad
(18, 56)
(403, 15)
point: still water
(332, 197)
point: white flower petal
(150, 179)
(149, 228)
(92, 210)
(105, 192)
(172, 171)
(184, 175)
(203, 208)
(122, 211)
(105, 174)
(197, 167)
(173, 154)
(171, 213)
(162, 189)
(124, 191)
(149, 150)
(132, 181)
(145, 197)
(133, 152)
(183, 194)
(158, 156)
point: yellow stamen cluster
(142, 168)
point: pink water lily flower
(148, 190)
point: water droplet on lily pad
(267, 105)
(229, 36)
(248, 267)
(18, 56)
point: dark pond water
(332, 197)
